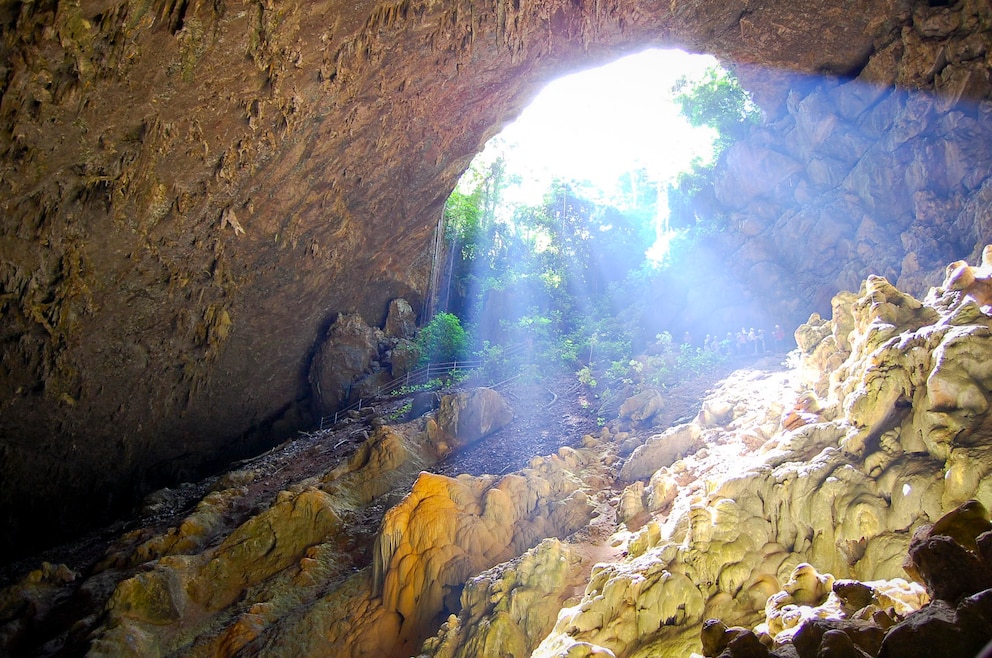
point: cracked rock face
(193, 193)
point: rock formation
(900, 440)
(817, 616)
(823, 536)
(195, 192)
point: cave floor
(547, 416)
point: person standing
(778, 338)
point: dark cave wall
(191, 193)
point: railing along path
(419, 377)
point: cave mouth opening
(611, 132)
(561, 220)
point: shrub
(442, 339)
(495, 364)
(586, 377)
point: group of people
(746, 341)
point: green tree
(538, 276)
(476, 241)
(442, 339)
(690, 198)
(463, 221)
(717, 100)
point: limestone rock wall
(885, 173)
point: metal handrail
(418, 376)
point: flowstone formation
(897, 438)
(839, 505)
(194, 192)
(816, 615)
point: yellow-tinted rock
(508, 609)
(449, 528)
(964, 523)
(730, 529)
(660, 450)
(155, 597)
(264, 545)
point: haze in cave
(220, 268)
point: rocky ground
(541, 520)
(548, 415)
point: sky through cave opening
(601, 129)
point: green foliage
(625, 371)
(665, 365)
(442, 339)
(463, 222)
(564, 351)
(496, 365)
(545, 275)
(618, 371)
(693, 361)
(436, 383)
(605, 338)
(400, 413)
(534, 325)
(691, 201)
(717, 100)
(586, 377)
(556, 259)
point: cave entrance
(615, 134)
(554, 236)
(600, 125)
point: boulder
(401, 320)
(403, 358)
(347, 351)
(853, 638)
(641, 408)
(464, 418)
(659, 451)
(422, 403)
(945, 556)
(933, 631)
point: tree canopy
(716, 100)
(559, 275)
